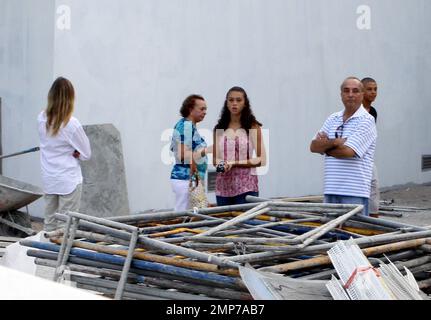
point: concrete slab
(104, 190)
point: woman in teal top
(189, 148)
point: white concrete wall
(26, 68)
(132, 64)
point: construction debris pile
(198, 254)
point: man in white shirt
(348, 140)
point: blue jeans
(239, 199)
(333, 198)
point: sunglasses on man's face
(339, 131)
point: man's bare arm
(322, 144)
(341, 152)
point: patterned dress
(237, 180)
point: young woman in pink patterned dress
(238, 146)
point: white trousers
(181, 190)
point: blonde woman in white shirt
(63, 143)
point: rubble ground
(411, 195)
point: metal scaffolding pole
(254, 212)
(362, 242)
(153, 243)
(126, 267)
(143, 217)
(155, 258)
(145, 265)
(162, 283)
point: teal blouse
(185, 132)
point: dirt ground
(411, 195)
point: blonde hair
(61, 98)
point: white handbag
(197, 196)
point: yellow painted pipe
(174, 231)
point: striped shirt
(351, 176)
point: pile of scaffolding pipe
(233, 288)
(193, 251)
(182, 279)
(359, 280)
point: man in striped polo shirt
(348, 140)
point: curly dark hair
(248, 120)
(189, 103)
